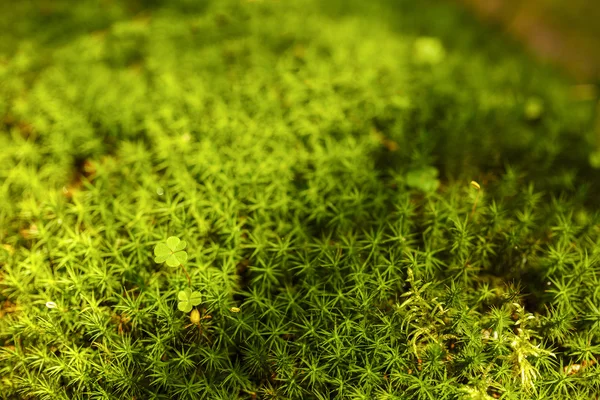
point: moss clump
(316, 158)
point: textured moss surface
(316, 158)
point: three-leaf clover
(188, 299)
(172, 252)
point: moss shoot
(290, 200)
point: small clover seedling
(173, 254)
(188, 299)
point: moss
(316, 159)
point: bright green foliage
(316, 158)
(172, 252)
(424, 179)
(188, 299)
(429, 50)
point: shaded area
(563, 32)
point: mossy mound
(316, 158)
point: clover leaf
(172, 252)
(188, 299)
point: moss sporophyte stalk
(291, 200)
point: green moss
(295, 148)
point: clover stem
(187, 275)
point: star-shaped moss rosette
(188, 299)
(172, 252)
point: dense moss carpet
(316, 158)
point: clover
(172, 252)
(188, 299)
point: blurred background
(564, 32)
(467, 35)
